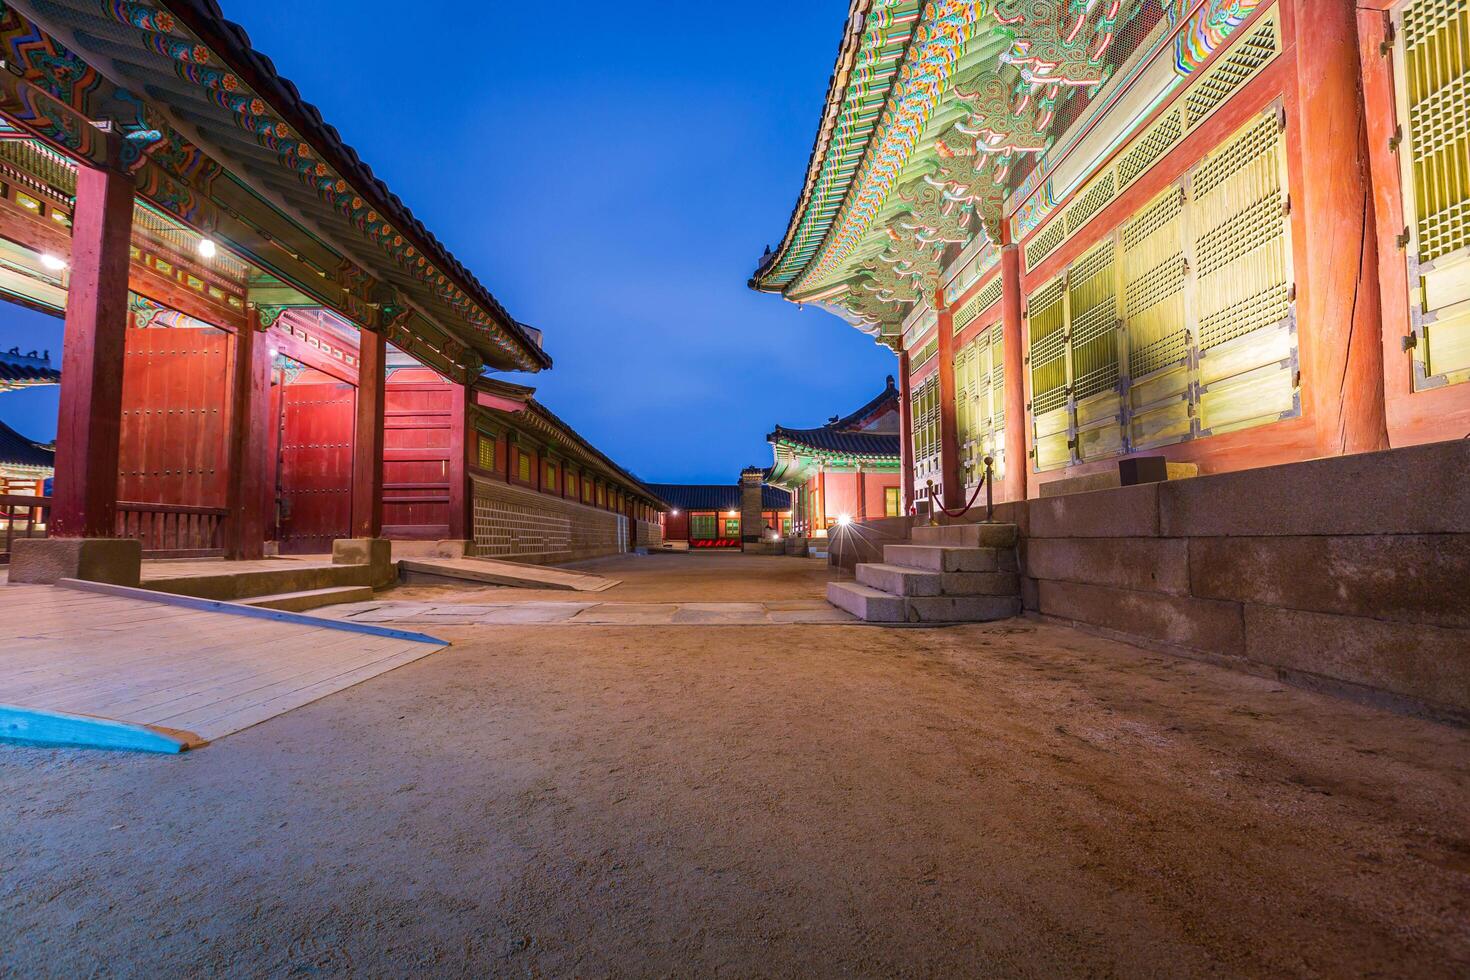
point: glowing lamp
(207, 248)
(843, 520)
(52, 262)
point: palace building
(1232, 233)
(264, 349)
(846, 470)
(724, 516)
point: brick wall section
(1349, 574)
(517, 524)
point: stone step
(966, 535)
(866, 603)
(962, 608)
(946, 558)
(904, 581)
(311, 598)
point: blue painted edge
(240, 609)
(38, 726)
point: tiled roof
(831, 440)
(878, 404)
(19, 370)
(717, 496)
(17, 450)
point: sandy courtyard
(1007, 800)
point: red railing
(173, 530)
(22, 516)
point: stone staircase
(958, 573)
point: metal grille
(925, 411)
(1239, 216)
(1092, 289)
(1046, 242)
(987, 297)
(1246, 57)
(1154, 273)
(1437, 71)
(1434, 93)
(1091, 202)
(1160, 138)
(1048, 321)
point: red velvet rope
(963, 510)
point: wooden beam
(949, 430)
(249, 441)
(905, 433)
(90, 417)
(1337, 281)
(1014, 370)
(367, 460)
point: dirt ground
(1005, 800)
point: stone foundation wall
(650, 535)
(1349, 574)
(515, 524)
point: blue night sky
(613, 180)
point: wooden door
(314, 478)
(173, 447)
(421, 454)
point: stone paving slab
(772, 613)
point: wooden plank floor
(203, 673)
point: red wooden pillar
(949, 430)
(90, 418)
(862, 495)
(249, 441)
(367, 447)
(464, 436)
(905, 434)
(1337, 285)
(1014, 482)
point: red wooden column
(905, 434)
(90, 418)
(862, 495)
(1337, 285)
(249, 441)
(464, 436)
(1014, 482)
(949, 430)
(367, 447)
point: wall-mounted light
(51, 262)
(843, 520)
(207, 248)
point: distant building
(25, 465)
(709, 515)
(19, 370)
(847, 469)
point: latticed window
(485, 452)
(891, 505)
(732, 527)
(549, 481)
(701, 527)
(980, 401)
(523, 466)
(925, 401)
(1179, 324)
(1432, 63)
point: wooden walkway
(79, 667)
(508, 573)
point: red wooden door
(419, 447)
(175, 434)
(314, 479)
